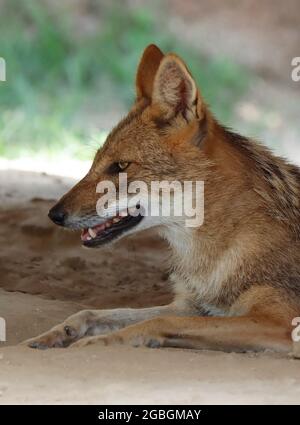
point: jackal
(236, 278)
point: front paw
(121, 338)
(59, 337)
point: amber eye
(123, 165)
(117, 167)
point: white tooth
(108, 224)
(92, 233)
(88, 238)
(132, 211)
(116, 220)
(123, 213)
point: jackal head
(161, 139)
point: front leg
(239, 334)
(97, 322)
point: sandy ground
(45, 276)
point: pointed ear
(146, 72)
(175, 90)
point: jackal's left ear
(175, 90)
(146, 72)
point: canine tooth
(116, 220)
(92, 233)
(88, 238)
(132, 210)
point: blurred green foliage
(59, 78)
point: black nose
(57, 215)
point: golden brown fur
(243, 263)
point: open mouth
(110, 229)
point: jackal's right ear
(146, 72)
(175, 91)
